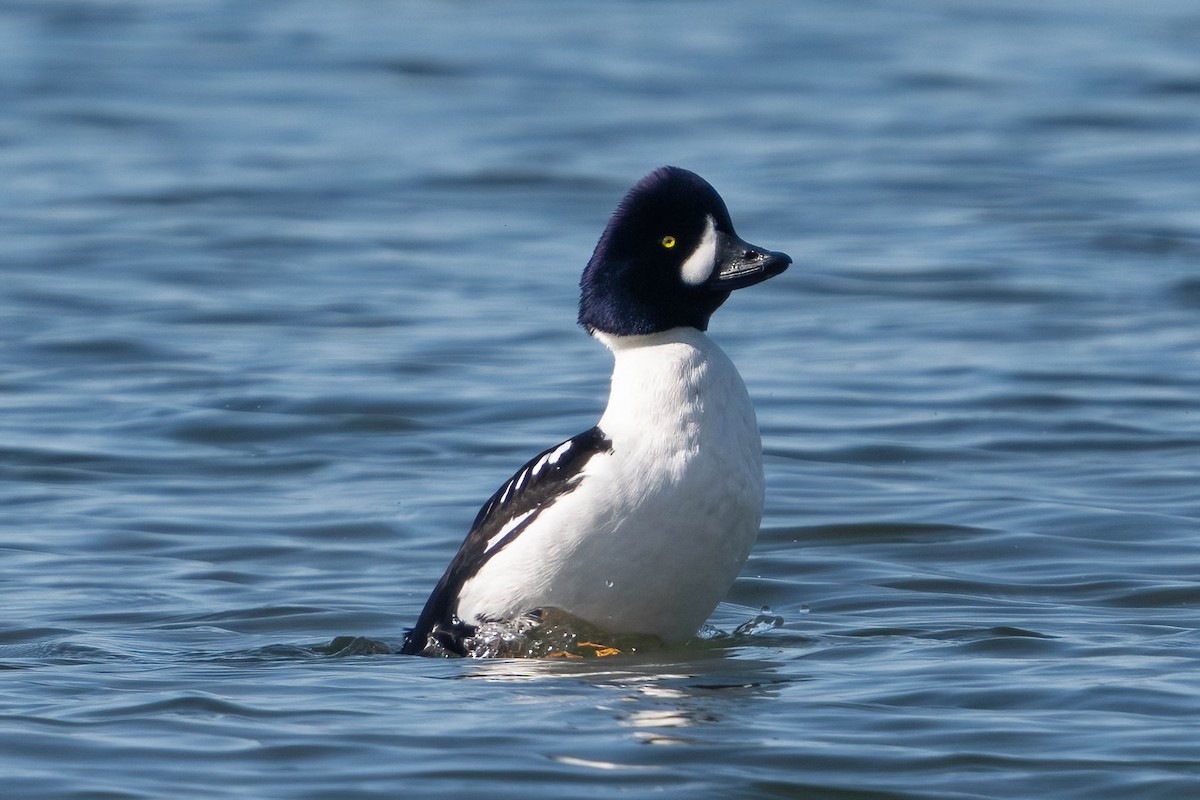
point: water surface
(288, 289)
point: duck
(640, 524)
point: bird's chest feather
(686, 461)
(684, 434)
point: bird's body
(660, 521)
(640, 524)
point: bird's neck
(664, 384)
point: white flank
(700, 264)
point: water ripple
(289, 288)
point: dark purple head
(668, 258)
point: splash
(551, 633)
(763, 622)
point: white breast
(657, 530)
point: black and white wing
(516, 504)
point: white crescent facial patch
(700, 264)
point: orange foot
(601, 650)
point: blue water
(288, 289)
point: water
(288, 290)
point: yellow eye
(668, 242)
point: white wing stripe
(508, 527)
(557, 455)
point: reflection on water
(655, 697)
